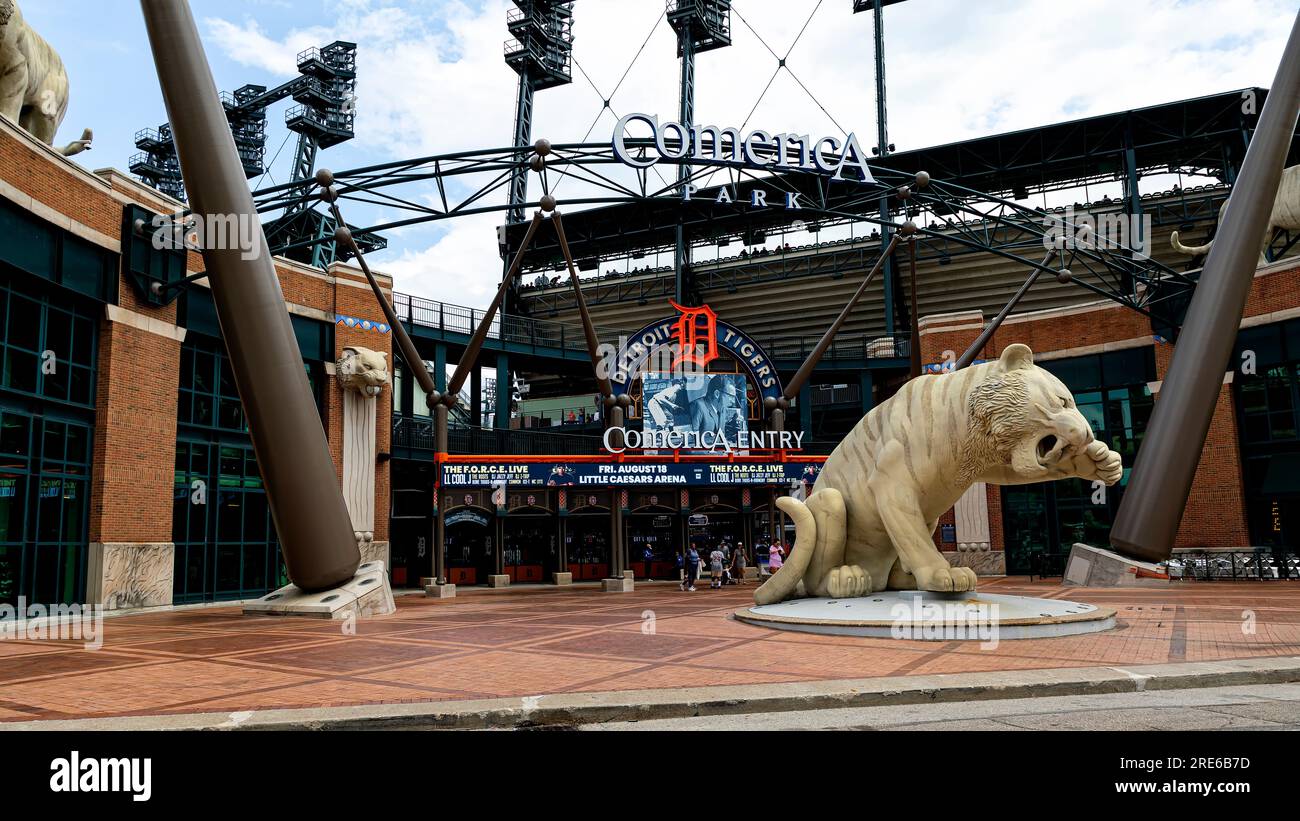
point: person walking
(774, 557)
(716, 560)
(692, 569)
(738, 560)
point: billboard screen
(695, 403)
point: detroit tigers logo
(697, 336)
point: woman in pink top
(774, 554)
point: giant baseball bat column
(1152, 508)
(311, 519)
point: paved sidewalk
(500, 644)
(1249, 707)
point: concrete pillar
(363, 374)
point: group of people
(726, 564)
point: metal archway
(989, 224)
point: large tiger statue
(33, 82)
(867, 525)
(1285, 214)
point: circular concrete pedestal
(911, 614)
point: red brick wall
(57, 183)
(1215, 515)
(135, 435)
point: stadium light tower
(325, 115)
(540, 51)
(701, 25)
(883, 148)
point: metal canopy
(1205, 134)
(973, 182)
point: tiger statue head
(362, 370)
(1023, 417)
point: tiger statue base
(868, 523)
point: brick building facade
(161, 409)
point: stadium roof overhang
(1205, 135)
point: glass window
(24, 324)
(47, 346)
(1111, 392)
(15, 433)
(13, 501)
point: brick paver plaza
(513, 643)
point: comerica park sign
(757, 149)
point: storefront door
(587, 543)
(653, 544)
(470, 547)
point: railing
(458, 319)
(413, 432)
(836, 394)
(567, 416)
(850, 347)
(1260, 563)
(416, 433)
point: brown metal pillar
(311, 519)
(617, 551)
(563, 528)
(439, 452)
(978, 345)
(793, 387)
(771, 517)
(747, 532)
(1153, 504)
(499, 549)
(914, 347)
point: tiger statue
(362, 370)
(867, 524)
(33, 81)
(1285, 214)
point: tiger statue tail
(1190, 250)
(818, 547)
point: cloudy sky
(432, 79)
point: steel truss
(960, 217)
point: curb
(571, 709)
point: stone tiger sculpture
(867, 524)
(362, 369)
(33, 81)
(1285, 214)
